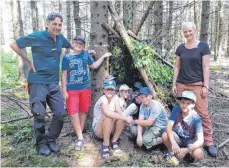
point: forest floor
(17, 144)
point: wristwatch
(207, 87)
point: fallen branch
(221, 124)
(223, 143)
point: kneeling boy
(184, 132)
(151, 122)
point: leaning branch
(129, 45)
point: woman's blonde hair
(188, 24)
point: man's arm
(64, 89)
(22, 54)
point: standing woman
(192, 71)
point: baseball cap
(187, 95)
(124, 87)
(109, 84)
(145, 90)
(79, 38)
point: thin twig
(223, 143)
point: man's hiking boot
(53, 147)
(211, 150)
(43, 149)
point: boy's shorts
(78, 101)
(182, 142)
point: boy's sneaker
(171, 159)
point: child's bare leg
(104, 128)
(76, 125)
(119, 126)
(198, 154)
(166, 141)
(82, 117)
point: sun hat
(124, 87)
(79, 38)
(109, 84)
(187, 95)
(145, 90)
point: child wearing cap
(151, 123)
(184, 132)
(76, 84)
(124, 93)
(108, 120)
(134, 106)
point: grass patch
(25, 155)
(9, 70)
(216, 67)
(18, 148)
(9, 113)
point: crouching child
(184, 132)
(151, 123)
(108, 120)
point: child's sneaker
(171, 159)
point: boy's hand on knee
(175, 148)
(139, 140)
(182, 153)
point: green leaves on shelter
(144, 57)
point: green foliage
(25, 155)
(9, 70)
(144, 57)
(21, 131)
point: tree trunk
(158, 25)
(228, 39)
(128, 14)
(22, 63)
(34, 12)
(60, 6)
(68, 16)
(144, 17)
(216, 33)
(204, 29)
(77, 20)
(168, 30)
(99, 42)
(2, 27)
(221, 29)
(14, 22)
